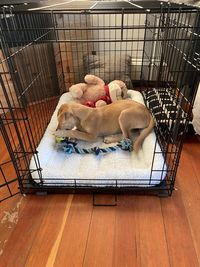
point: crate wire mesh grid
(153, 46)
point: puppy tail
(144, 133)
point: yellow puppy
(119, 117)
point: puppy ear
(62, 108)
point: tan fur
(119, 117)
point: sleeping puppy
(85, 123)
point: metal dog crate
(46, 49)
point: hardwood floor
(66, 230)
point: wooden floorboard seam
(43, 216)
(54, 250)
(165, 230)
(114, 239)
(88, 236)
(186, 211)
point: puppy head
(66, 120)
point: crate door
(17, 144)
(9, 185)
(8, 177)
(16, 149)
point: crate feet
(104, 200)
(41, 193)
(163, 193)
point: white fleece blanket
(121, 167)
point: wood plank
(188, 182)
(150, 235)
(74, 239)
(125, 243)
(99, 251)
(17, 247)
(9, 205)
(178, 235)
(141, 221)
(10, 212)
(49, 230)
(192, 149)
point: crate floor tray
(119, 168)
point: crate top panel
(92, 6)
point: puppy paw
(57, 133)
(108, 140)
(115, 138)
(60, 133)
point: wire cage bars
(153, 46)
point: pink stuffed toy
(95, 93)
